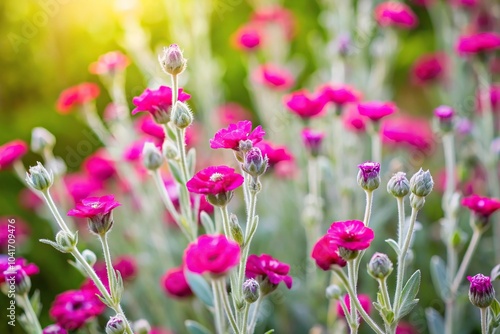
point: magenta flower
(312, 140)
(148, 126)
(175, 284)
(481, 206)
(54, 329)
(481, 292)
(158, 102)
(98, 210)
(126, 265)
(74, 308)
(19, 229)
(376, 110)
(275, 16)
(364, 300)
(109, 63)
(29, 268)
(409, 132)
(428, 68)
(304, 105)
(232, 112)
(11, 152)
(275, 154)
(351, 234)
(273, 77)
(231, 136)
(268, 271)
(247, 37)
(352, 120)
(100, 166)
(214, 254)
(488, 95)
(444, 112)
(326, 254)
(80, 186)
(395, 14)
(77, 96)
(214, 180)
(340, 94)
(480, 42)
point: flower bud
(235, 229)
(245, 145)
(255, 164)
(89, 257)
(15, 275)
(421, 183)
(172, 61)
(398, 185)
(444, 116)
(312, 141)
(481, 292)
(379, 266)
(152, 158)
(182, 117)
(220, 199)
(54, 329)
(142, 327)
(416, 202)
(369, 175)
(115, 325)
(101, 224)
(348, 254)
(66, 241)
(42, 139)
(251, 290)
(39, 178)
(334, 292)
(170, 150)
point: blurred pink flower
(233, 112)
(413, 133)
(109, 63)
(147, 125)
(266, 267)
(493, 94)
(54, 329)
(77, 96)
(429, 67)
(477, 43)
(304, 104)
(158, 102)
(312, 140)
(340, 94)
(231, 136)
(274, 153)
(405, 328)
(464, 3)
(29, 268)
(29, 200)
(247, 37)
(175, 284)
(376, 110)
(352, 120)
(481, 206)
(214, 180)
(274, 77)
(364, 300)
(277, 16)
(100, 166)
(351, 234)
(396, 14)
(80, 186)
(326, 254)
(214, 254)
(11, 152)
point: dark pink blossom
(232, 112)
(351, 234)
(275, 15)
(91, 207)
(275, 153)
(312, 140)
(134, 151)
(80, 186)
(175, 284)
(231, 136)
(369, 170)
(148, 126)
(397, 14)
(274, 77)
(326, 254)
(12, 226)
(158, 102)
(214, 180)
(376, 110)
(54, 329)
(214, 254)
(29, 268)
(413, 133)
(477, 43)
(100, 166)
(363, 299)
(352, 120)
(489, 95)
(428, 68)
(481, 291)
(266, 267)
(481, 206)
(77, 96)
(109, 63)
(247, 37)
(126, 265)
(405, 328)
(74, 308)
(340, 94)
(444, 112)
(304, 104)
(11, 152)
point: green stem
(225, 302)
(476, 236)
(253, 321)
(96, 125)
(484, 320)
(376, 146)
(244, 322)
(30, 313)
(366, 222)
(353, 314)
(53, 209)
(401, 219)
(219, 319)
(109, 264)
(382, 283)
(225, 221)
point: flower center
(216, 177)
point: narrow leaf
(269, 331)
(200, 288)
(191, 160)
(53, 244)
(35, 302)
(434, 321)
(176, 172)
(394, 245)
(207, 223)
(495, 307)
(195, 328)
(495, 272)
(408, 295)
(440, 277)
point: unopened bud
(379, 266)
(142, 326)
(39, 178)
(101, 224)
(172, 61)
(66, 241)
(116, 325)
(255, 164)
(398, 185)
(54, 329)
(444, 116)
(416, 202)
(236, 231)
(15, 275)
(481, 292)
(251, 290)
(421, 183)
(334, 292)
(348, 254)
(312, 141)
(89, 257)
(369, 175)
(182, 117)
(170, 150)
(42, 139)
(152, 158)
(221, 199)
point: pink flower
(80, 186)
(158, 102)
(100, 166)
(492, 94)
(364, 300)
(429, 67)
(369, 170)
(352, 120)
(267, 269)
(275, 16)
(351, 234)
(11, 152)
(376, 110)
(214, 180)
(444, 112)
(77, 96)
(481, 206)
(326, 254)
(232, 112)
(247, 37)
(54, 329)
(304, 105)
(410, 132)
(465, 3)
(312, 140)
(396, 14)
(29, 268)
(214, 254)
(12, 226)
(109, 63)
(481, 291)
(134, 151)
(158, 330)
(340, 94)
(91, 207)
(273, 77)
(125, 264)
(175, 284)
(231, 136)
(73, 308)
(148, 126)
(405, 328)
(274, 153)
(477, 43)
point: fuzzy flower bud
(16, 275)
(416, 202)
(421, 183)
(170, 150)
(66, 241)
(39, 178)
(182, 117)
(255, 164)
(89, 257)
(115, 325)
(251, 290)
(42, 139)
(152, 158)
(369, 175)
(333, 292)
(172, 61)
(444, 116)
(481, 292)
(379, 266)
(142, 326)
(398, 185)
(235, 229)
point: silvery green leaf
(495, 272)
(408, 295)
(200, 288)
(207, 223)
(495, 308)
(394, 245)
(53, 244)
(195, 328)
(440, 277)
(434, 321)
(35, 302)
(191, 160)
(176, 172)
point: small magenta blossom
(429, 68)
(413, 133)
(268, 271)
(312, 140)
(98, 210)
(340, 94)
(326, 254)
(482, 207)
(481, 291)
(110, 63)
(248, 38)
(29, 269)
(274, 77)
(100, 166)
(213, 254)
(369, 175)
(231, 136)
(175, 284)
(489, 95)
(126, 265)
(444, 112)
(477, 43)
(21, 232)
(80, 186)
(352, 120)
(77, 96)
(74, 308)
(351, 234)
(232, 112)
(396, 14)
(214, 180)
(364, 300)
(54, 329)
(304, 104)
(275, 154)
(376, 110)
(11, 152)
(158, 102)
(275, 16)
